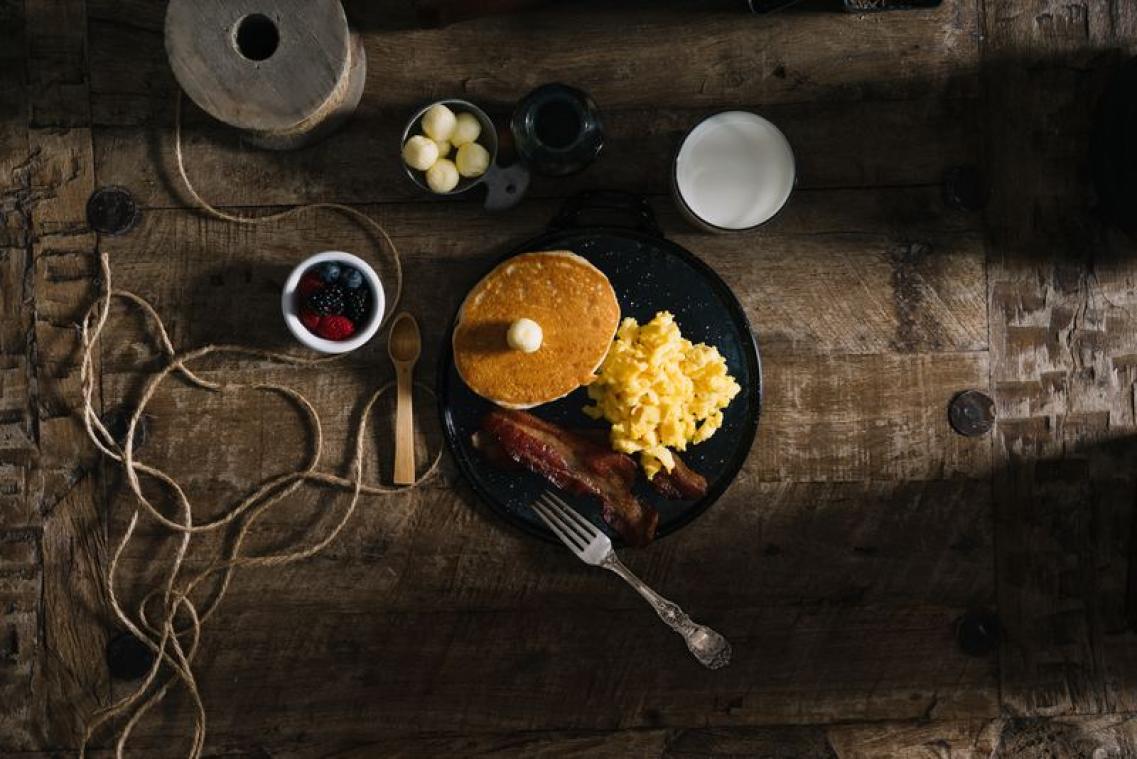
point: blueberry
(330, 271)
(352, 278)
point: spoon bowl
(405, 341)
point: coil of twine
(285, 72)
(170, 618)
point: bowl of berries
(333, 302)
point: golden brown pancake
(570, 299)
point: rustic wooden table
(841, 563)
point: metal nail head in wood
(112, 211)
(972, 413)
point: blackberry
(358, 304)
(327, 302)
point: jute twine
(169, 620)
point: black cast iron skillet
(619, 235)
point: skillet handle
(505, 186)
(608, 208)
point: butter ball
(443, 148)
(438, 122)
(466, 129)
(472, 160)
(442, 177)
(420, 152)
(525, 335)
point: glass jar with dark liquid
(557, 129)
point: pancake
(570, 299)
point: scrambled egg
(660, 391)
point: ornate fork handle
(711, 649)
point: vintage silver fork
(593, 547)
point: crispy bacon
(682, 483)
(578, 465)
(487, 445)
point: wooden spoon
(404, 344)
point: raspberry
(309, 319)
(309, 284)
(328, 301)
(335, 328)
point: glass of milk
(734, 171)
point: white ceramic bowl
(290, 308)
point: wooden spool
(287, 72)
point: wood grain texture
(839, 562)
(1061, 298)
(734, 58)
(855, 272)
(64, 491)
(1107, 736)
(472, 628)
(899, 95)
(890, 143)
(20, 568)
(57, 73)
(74, 628)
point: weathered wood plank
(850, 418)
(469, 596)
(1061, 336)
(74, 631)
(867, 120)
(924, 136)
(359, 676)
(217, 445)
(674, 57)
(972, 739)
(1113, 735)
(488, 638)
(70, 670)
(20, 572)
(57, 54)
(16, 197)
(1109, 736)
(839, 271)
(206, 441)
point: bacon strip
(577, 465)
(487, 445)
(680, 484)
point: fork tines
(574, 530)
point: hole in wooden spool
(257, 37)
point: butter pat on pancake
(571, 301)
